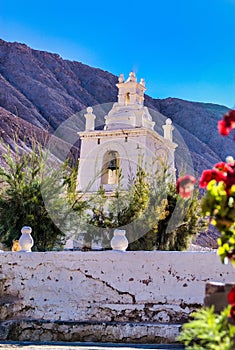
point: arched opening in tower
(127, 98)
(111, 168)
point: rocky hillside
(39, 90)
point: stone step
(77, 331)
(13, 345)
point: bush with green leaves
(152, 213)
(123, 207)
(21, 201)
(208, 330)
(219, 205)
(170, 222)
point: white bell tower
(129, 111)
(111, 155)
(130, 92)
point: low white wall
(107, 286)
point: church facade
(112, 155)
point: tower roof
(129, 111)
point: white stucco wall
(107, 286)
(133, 146)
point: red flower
(231, 300)
(230, 180)
(224, 167)
(232, 312)
(213, 174)
(224, 130)
(185, 186)
(227, 123)
(231, 296)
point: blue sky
(183, 48)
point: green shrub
(208, 331)
(21, 201)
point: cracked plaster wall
(107, 286)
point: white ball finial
(168, 121)
(90, 119)
(132, 77)
(142, 81)
(121, 78)
(168, 128)
(89, 110)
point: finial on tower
(90, 119)
(130, 92)
(168, 128)
(121, 78)
(132, 77)
(89, 110)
